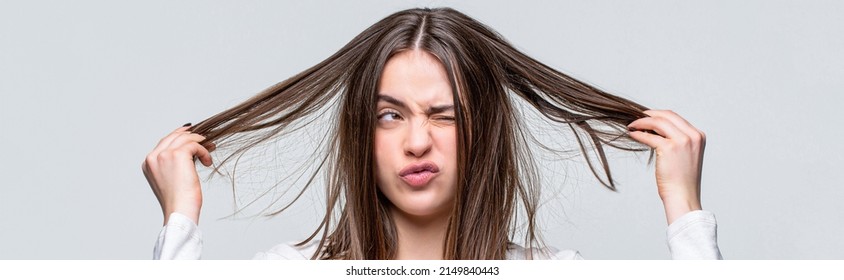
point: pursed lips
(419, 174)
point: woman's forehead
(415, 77)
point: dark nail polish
(187, 124)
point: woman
(429, 159)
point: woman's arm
(171, 173)
(692, 233)
(679, 159)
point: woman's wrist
(677, 207)
(191, 212)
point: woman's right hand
(171, 172)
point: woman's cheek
(385, 156)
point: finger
(201, 153)
(210, 147)
(178, 147)
(185, 138)
(696, 136)
(651, 140)
(177, 132)
(661, 126)
(678, 121)
(165, 142)
(194, 149)
(204, 155)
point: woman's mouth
(419, 174)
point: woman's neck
(420, 238)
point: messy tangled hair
(495, 172)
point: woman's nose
(418, 141)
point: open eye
(389, 116)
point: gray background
(88, 88)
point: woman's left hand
(679, 159)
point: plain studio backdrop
(89, 87)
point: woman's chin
(422, 209)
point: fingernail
(186, 125)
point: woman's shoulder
(517, 252)
(289, 251)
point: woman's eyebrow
(439, 109)
(391, 100)
(431, 110)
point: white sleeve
(694, 236)
(180, 239)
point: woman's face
(415, 135)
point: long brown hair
(496, 173)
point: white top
(692, 236)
